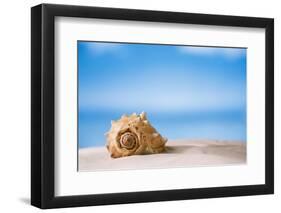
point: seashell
(133, 135)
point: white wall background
(15, 105)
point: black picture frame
(43, 101)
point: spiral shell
(128, 140)
(133, 135)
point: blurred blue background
(188, 92)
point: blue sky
(125, 78)
(160, 77)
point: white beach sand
(185, 153)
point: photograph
(159, 106)
(134, 105)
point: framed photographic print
(139, 106)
